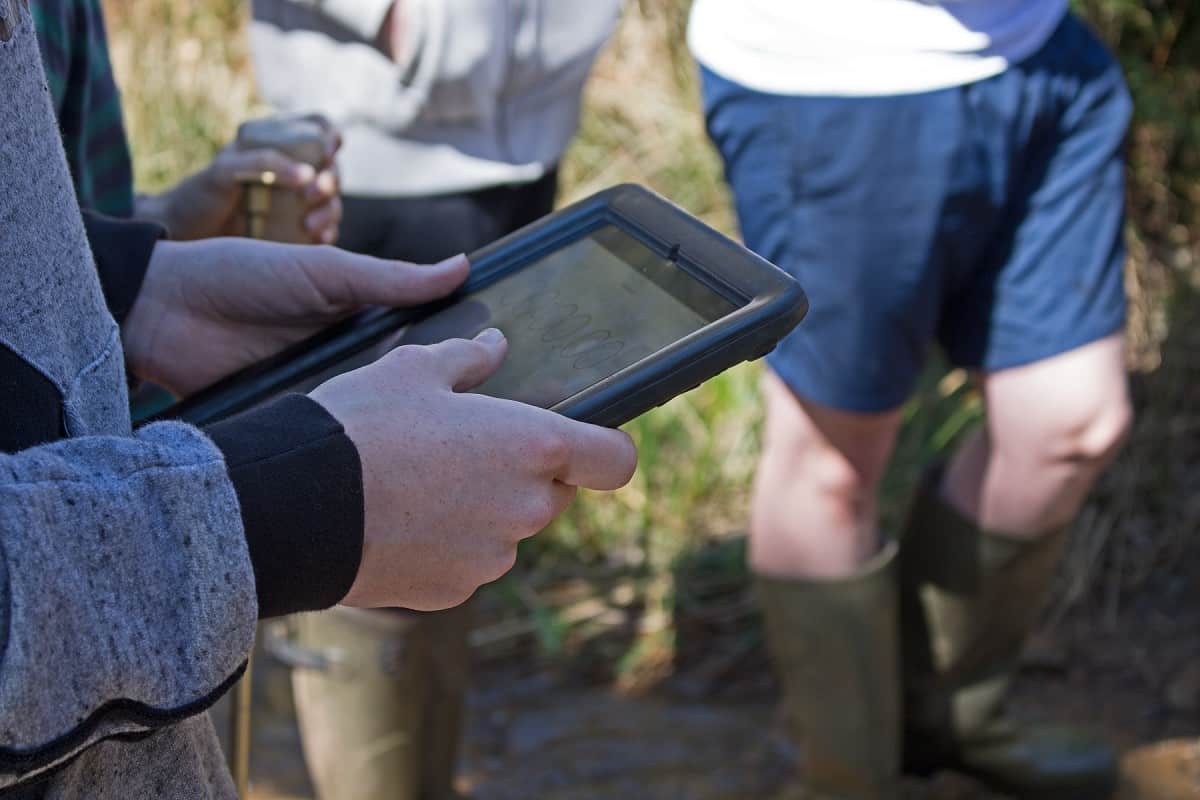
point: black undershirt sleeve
(296, 473)
(299, 482)
(121, 249)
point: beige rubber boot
(380, 700)
(969, 600)
(834, 648)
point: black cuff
(121, 249)
(299, 481)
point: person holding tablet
(133, 563)
(932, 172)
(454, 116)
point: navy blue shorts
(986, 218)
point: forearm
(182, 208)
(170, 208)
(130, 568)
(299, 485)
(126, 591)
(156, 208)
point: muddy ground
(705, 732)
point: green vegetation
(185, 70)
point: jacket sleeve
(299, 485)
(126, 591)
(129, 569)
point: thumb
(349, 280)
(466, 363)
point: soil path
(541, 735)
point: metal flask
(272, 211)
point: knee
(823, 475)
(1099, 437)
(818, 463)
(812, 515)
(1089, 437)
(1114, 430)
(833, 476)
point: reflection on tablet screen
(578, 315)
(574, 317)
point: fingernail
(490, 336)
(304, 173)
(452, 261)
(328, 182)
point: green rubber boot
(969, 600)
(833, 645)
(380, 700)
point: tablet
(611, 307)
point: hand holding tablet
(452, 479)
(467, 445)
(611, 307)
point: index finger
(599, 458)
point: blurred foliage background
(665, 552)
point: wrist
(154, 209)
(157, 208)
(142, 324)
(187, 209)
(168, 209)
(121, 249)
(299, 484)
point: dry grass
(643, 121)
(184, 69)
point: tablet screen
(578, 315)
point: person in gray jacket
(454, 115)
(133, 563)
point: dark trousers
(428, 229)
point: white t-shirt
(857, 48)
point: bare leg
(813, 511)
(1052, 426)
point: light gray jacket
(127, 599)
(487, 94)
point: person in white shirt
(934, 173)
(454, 114)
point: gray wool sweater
(127, 578)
